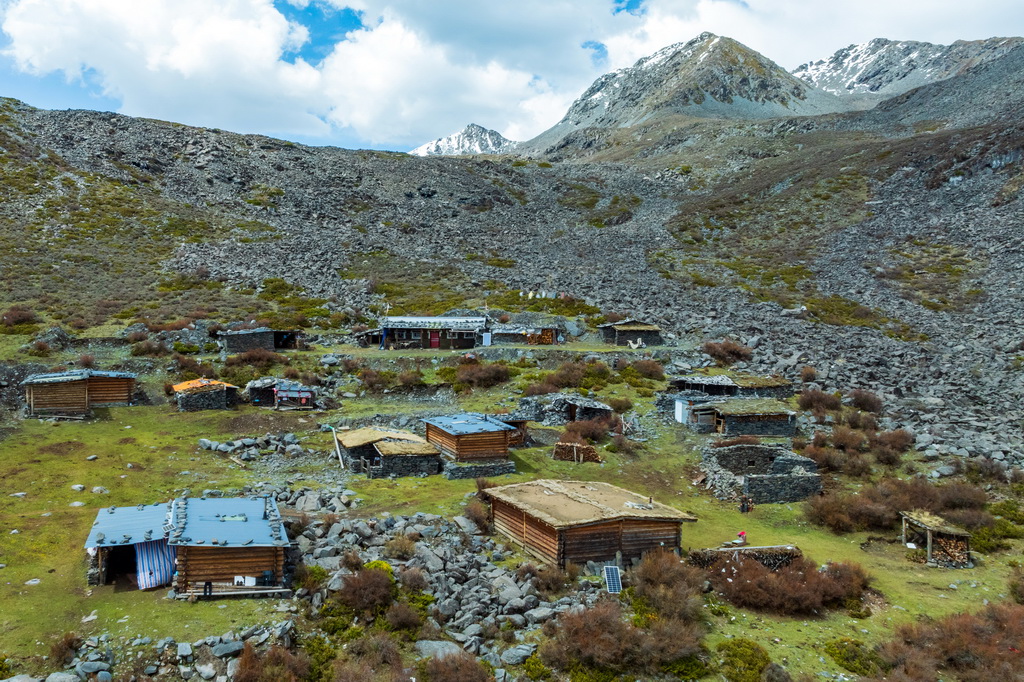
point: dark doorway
(286, 340)
(122, 568)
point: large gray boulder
(429, 648)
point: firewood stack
(575, 452)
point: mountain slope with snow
(472, 139)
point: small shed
(205, 394)
(291, 395)
(525, 334)
(209, 547)
(76, 392)
(380, 453)
(241, 340)
(740, 417)
(470, 436)
(519, 423)
(735, 385)
(427, 332)
(944, 544)
(577, 521)
(632, 333)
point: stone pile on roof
(74, 375)
(468, 423)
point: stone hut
(765, 473)
(241, 340)
(742, 417)
(382, 453)
(204, 394)
(555, 409)
(734, 385)
(632, 333)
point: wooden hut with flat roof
(470, 437)
(632, 333)
(426, 332)
(944, 544)
(76, 392)
(241, 340)
(577, 521)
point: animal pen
(576, 521)
(75, 393)
(944, 544)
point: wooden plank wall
(632, 537)
(70, 396)
(222, 564)
(471, 446)
(110, 390)
(533, 536)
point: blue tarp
(154, 563)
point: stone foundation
(461, 471)
(405, 465)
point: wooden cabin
(944, 544)
(632, 333)
(241, 340)
(577, 521)
(470, 437)
(291, 395)
(203, 547)
(76, 392)
(205, 394)
(381, 453)
(427, 332)
(740, 417)
(734, 385)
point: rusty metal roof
(201, 386)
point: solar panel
(612, 579)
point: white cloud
(419, 70)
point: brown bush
(39, 349)
(540, 388)
(403, 617)
(276, 665)
(135, 337)
(150, 348)
(737, 440)
(378, 650)
(866, 400)
(829, 511)
(400, 547)
(460, 667)
(971, 519)
(477, 375)
(798, 588)
(727, 351)
(649, 369)
(826, 458)
(899, 440)
(175, 326)
(808, 374)
(476, 512)
(524, 571)
(88, 361)
(64, 650)
(611, 318)
(669, 586)
(886, 456)
(411, 379)
(625, 446)
(292, 373)
(863, 421)
(550, 580)
(483, 484)
(368, 591)
(593, 430)
(620, 405)
(259, 358)
(350, 559)
(961, 496)
(18, 314)
(373, 380)
(413, 579)
(813, 399)
(187, 365)
(968, 647)
(857, 466)
(847, 439)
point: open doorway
(122, 568)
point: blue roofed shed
(470, 436)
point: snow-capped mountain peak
(472, 139)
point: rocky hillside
(472, 139)
(879, 69)
(710, 76)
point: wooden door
(435, 339)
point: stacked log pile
(575, 452)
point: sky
(392, 74)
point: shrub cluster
(798, 588)
(258, 358)
(649, 369)
(481, 375)
(851, 450)
(727, 351)
(593, 430)
(278, 664)
(589, 375)
(18, 315)
(814, 400)
(369, 591)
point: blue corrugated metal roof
(227, 522)
(457, 323)
(128, 525)
(194, 522)
(73, 375)
(292, 388)
(469, 422)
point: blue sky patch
(327, 26)
(631, 6)
(599, 52)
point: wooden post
(929, 531)
(904, 536)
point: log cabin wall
(633, 537)
(472, 446)
(197, 565)
(110, 390)
(536, 538)
(68, 396)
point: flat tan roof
(372, 434)
(397, 447)
(571, 503)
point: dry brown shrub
(483, 484)
(460, 667)
(18, 314)
(135, 337)
(539, 388)
(857, 466)
(961, 496)
(476, 512)
(727, 351)
(378, 650)
(670, 586)
(737, 440)
(625, 446)
(820, 439)
(186, 365)
(808, 374)
(829, 511)
(87, 360)
(278, 664)
(351, 560)
(798, 588)
(886, 456)
(864, 421)
(650, 369)
(292, 373)
(593, 430)
(259, 358)
(971, 519)
(524, 571)
(352, 671)
(620, 405)
(64, 650)
(847, 439)
(403, 617)
(866, 400)
(175, 326)
(400, 547)
(411, 379)
(477, 375)
(813, 399)
(611, 318)
(550, 580)
(826, 458)
(413, 579)
(368, 591)
(899, 440)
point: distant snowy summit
(880, 69)
(472, 139)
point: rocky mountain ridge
(473, 139)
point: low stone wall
(202, 400)
(769, 488)
(460, 471)
(575, 452)
(761, 427)
(406, 465)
